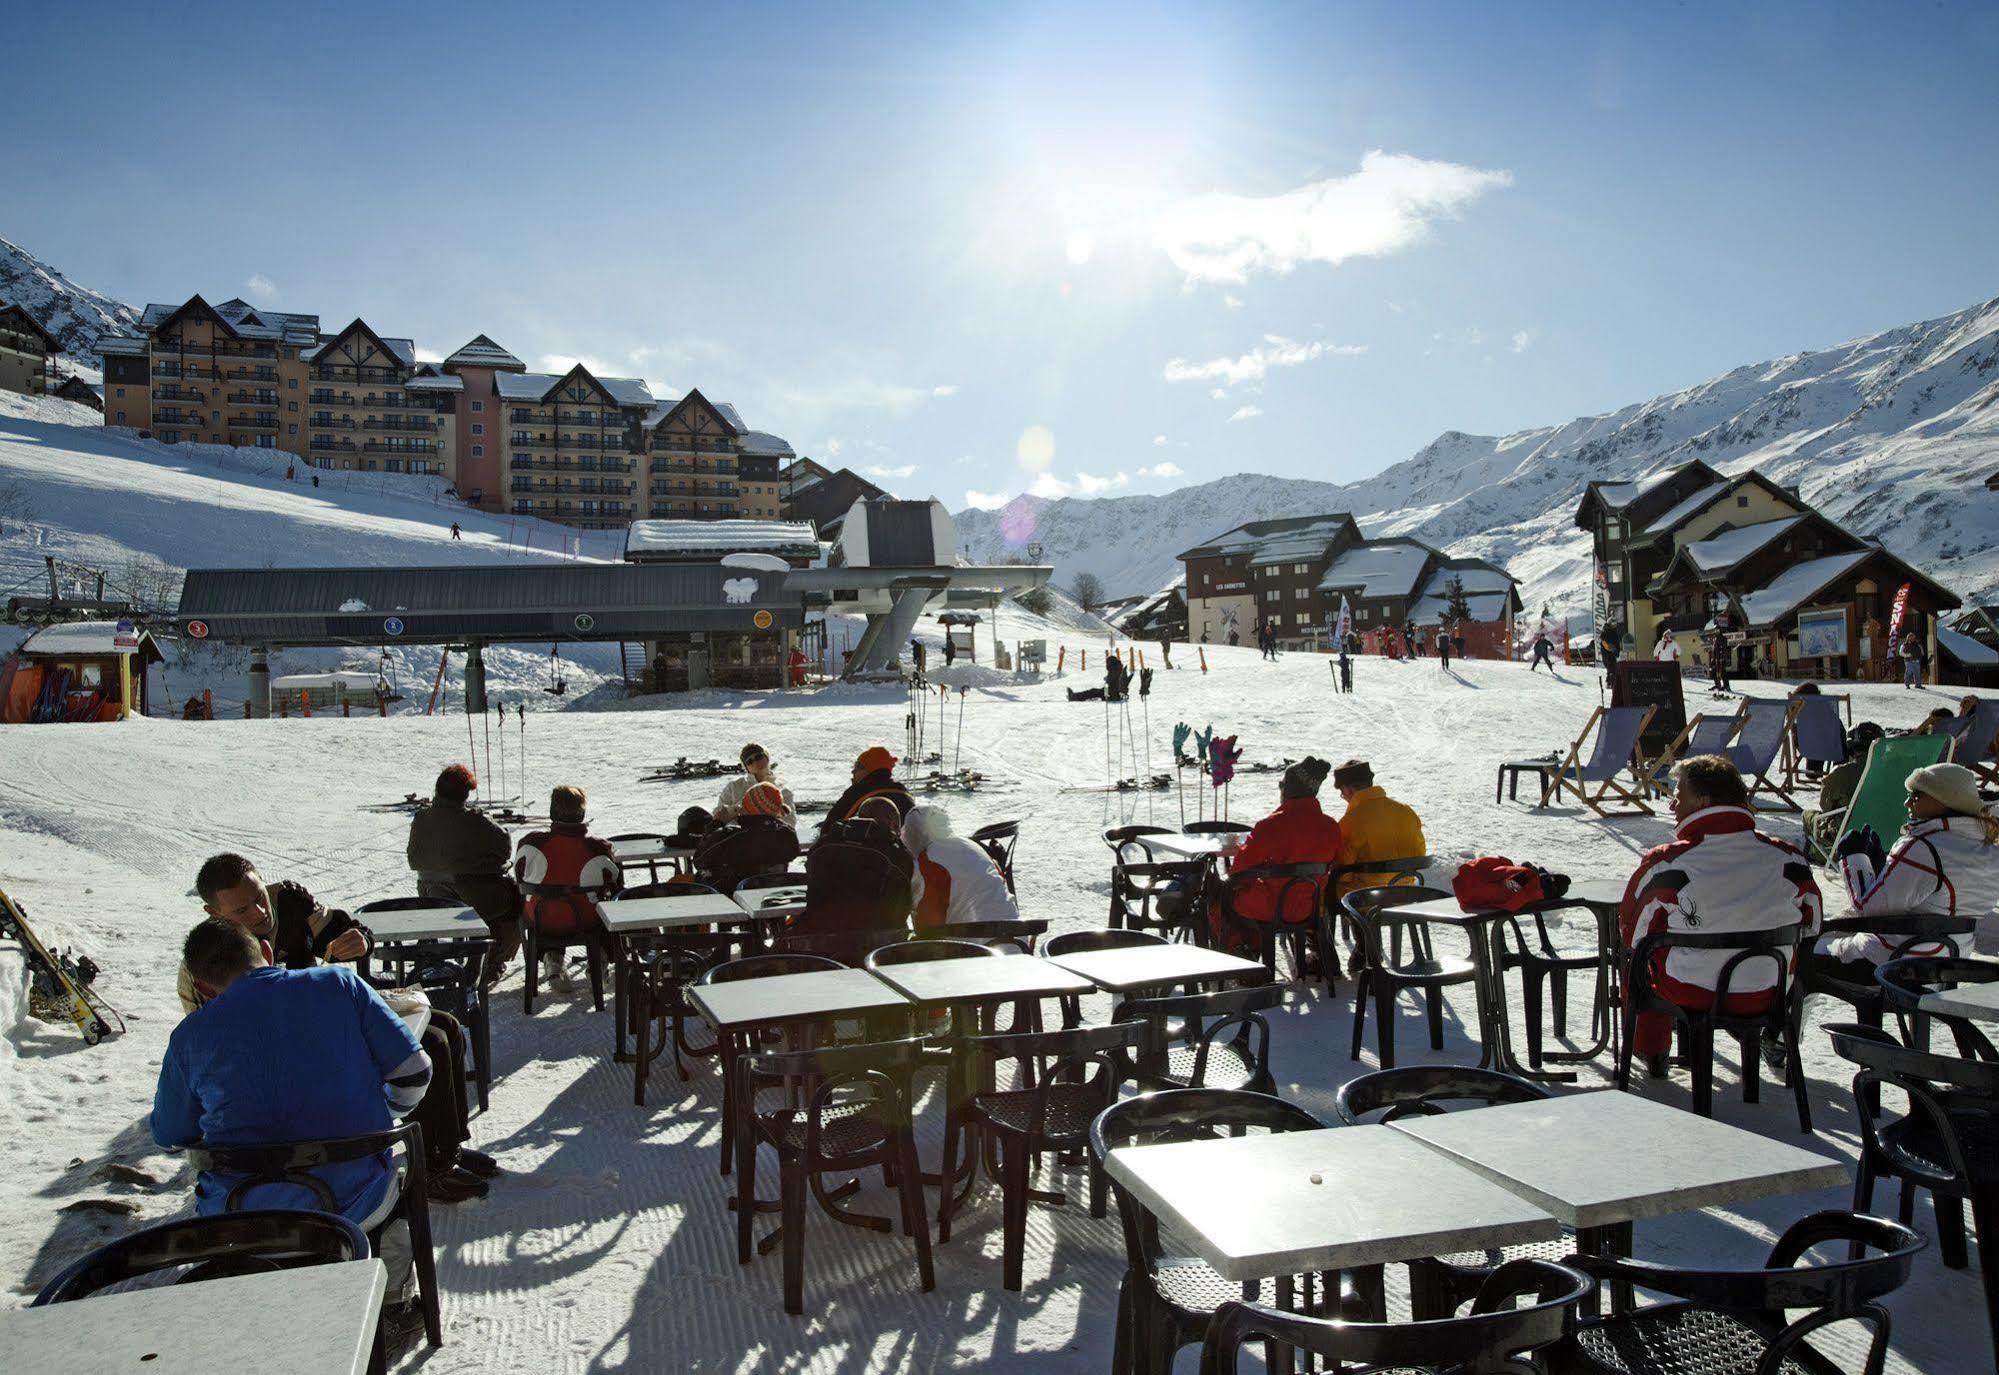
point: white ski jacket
(1941, 867)
(955, 881)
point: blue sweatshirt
(286, 1055)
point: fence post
(1202, 650)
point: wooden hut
(81, 671)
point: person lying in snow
(955, 880)
(300, 933)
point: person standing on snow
(1443, 648)
(454, 531)
(1667, 651)
(1544, 652)
(955, 880)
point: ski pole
(959, 758)
(486, 725)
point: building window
(1742, 501)
(292, 383)
(1613, 528)
(267, 441)
(292, 428)
(121, 393)
(478, 428)
(121, 417)
(1298, 594)
(478, 405)
(478, 451)
(292, 406)
(1616, 574)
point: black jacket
(880, 783)
(449, 839)
(730, 853)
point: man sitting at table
(1719, 874)
(565, 856)
(1296, 833)
(954, 880)
(1374, 826)
(349, 1065)
(857, 878)
(299, 932)
(874, 776)
(759, 841)
(460, 855)
(756, 769)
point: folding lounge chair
(1704, 734)
(1816, 738)
(1974, 741)
(1879, 796)
(1616, 749)
(1759, 748)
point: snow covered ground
(607, 1245)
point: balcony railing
(253, 374)
(253, 422)
(402, 423)
(252, 398)
(407, 447)
(339, 374)
(323, 444)
(333, 422)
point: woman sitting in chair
(1946, 863)
(567, 856)
(1296, 833)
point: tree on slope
(1088, 590)
(1457, 606)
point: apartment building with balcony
(482, 450)
(575, 445)
(363, 412)
(227, 374)
(25, 350)
(703, 462)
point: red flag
(1895, 619)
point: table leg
(1496, 1028)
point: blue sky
(976, 250)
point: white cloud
(1232, 302)
(832, 448)
(262, 289)
(1048, 485)
(1274, 352)
(864, 395)
(1079, 246)
(984, 501)
(1159, 441)
(428, 355)
(1247, 413)
(1161, 470)
(883, 470)
(1386, 206)
(1523, 339)
(1090, 485)
(562, 362)
(1035, 449)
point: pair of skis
(59, 979)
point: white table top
(772, 902)
(1145, 966)
(662, 913)
(328, 1326)
(1979, 1002)
(443, 922)
(1250, 1207)
(937, 983)
(1204, 846)
(1597, 1158)
(793, 997)
(630, 851)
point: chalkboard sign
(1649, 683)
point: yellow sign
(761, 620)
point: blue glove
(1861, 842)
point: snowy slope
(1891, 434)
(74, 314)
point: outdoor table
(673, 851)
(328, 1327)
(1149, 966)
(444, 922)
(1601, 898)
(772, 902)
(1600, 1161)
(1208, 845)
(1257, 1207)
(638, 918)
(1508, 782)
(1978, 1002)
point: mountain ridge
(75, 315)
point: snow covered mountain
(74, 314)
(1892, 435)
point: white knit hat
(1952, 785)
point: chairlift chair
(557, 684)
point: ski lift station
(699, 603)
(80, 671)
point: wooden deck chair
(1759, 748)
(1816, 738)
(1704, 734)
(1974, 740)
(1594, 781)
(1879, 796)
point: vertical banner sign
(1346, 622)
(1599, 598)
(1895, 621)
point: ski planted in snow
(57, 978)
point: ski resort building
(74, 388)
(1297, 571)
(576, 448)
(1804, 594)
(811, 491)
(25, 350)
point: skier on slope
(1544, 652)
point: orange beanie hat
(875, 757)
(763, 800)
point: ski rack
(59, 978)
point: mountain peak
(74, 314)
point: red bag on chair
(1496, 883)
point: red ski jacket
(566, 853)
(1296, 833)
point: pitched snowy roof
(730, 414)
(706, 538)
(1378, 568)
(120, 346)
(1712, 492)
(1250, 535)
(1303, 545)
(763, 443)
(434, 381)
(627, 391)
(1488, 591)
(245, 321)
(523, 386)
(482, 352)
(1618, 495)
(1964, 649)
(1797, 585)
(1723, 551)
(78, 637)
(54, 344)
(403, 349)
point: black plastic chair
(1899, 933)
(1905, 982)
(449, 973)
(658, 972)
(599, 946)
(849, 948)
(1947, 1141)
(1165, 1301)
(999, 840)
(1298, 887)
(1697, 1026)
(1161, 896)
(1382, 974)
(292, 1162)
(244, 1243)
(1184, 1046)
(1439, 1285)
(1075, 1075)
(856, 1114)
(672, 862)
(729, 1048)
(1545, 969)
(1733, 1322)
(1404, 873)
(1489, 1340)
(1020, 933)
